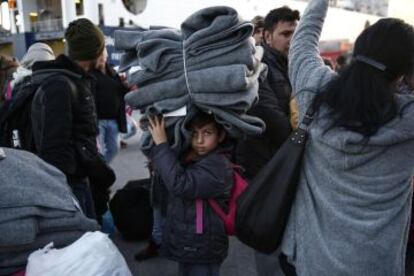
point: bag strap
(308, 118)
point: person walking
(274, 93)
(353, 203)
(110, 107)
(37, 52)
(258, 23)
(8, 66)
(273, 108)
(63, 110)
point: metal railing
(50, 25)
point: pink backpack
(229, 218)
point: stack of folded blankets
(36, 207)
(211, 64)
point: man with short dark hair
(63, 110)
(274, 93)
(273, 107)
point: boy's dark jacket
(208, 177)
(64, 122)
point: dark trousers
(287, 268)
(186, 269)
(82, 192)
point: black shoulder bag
(263, 209)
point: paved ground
(130, 164)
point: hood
(352, 146)
(62, 62)
(61, 65)
(20, 74)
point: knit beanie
(37, 52)
(85, 40)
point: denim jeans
(108, 139)
(186, 269)
(83, 194)
(157, 226)
(131, 128)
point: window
(79, 7)
(101, 14)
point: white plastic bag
(93, 254)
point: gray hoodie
(352, 209)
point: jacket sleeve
(294, 113)
(56, 134)
(306, 68)
(203, 179)
(269, 109)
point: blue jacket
(207, 177)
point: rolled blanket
(215, 80)
(210, 64)
(35, 197)
(174, 67)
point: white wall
(25, 7)
(403, 9)
(340, 24)
(68, 12)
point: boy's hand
(157, 130)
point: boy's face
(205, 139)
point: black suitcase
(131, 210)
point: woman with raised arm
(352, 208)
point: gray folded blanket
(211, 64)
(36, 207)
(21, 226)
(16, 258)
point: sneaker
(148, 252)
(123, 144)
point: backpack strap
(199, 216)
(8, 93)
(53, 74)
(213, 203)
(216, 208)
(59, 75)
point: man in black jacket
(63, 110)
(273, 107)
(110, 107)
(274, 93)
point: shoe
(148, 252)
(123, 144)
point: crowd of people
(352, 210)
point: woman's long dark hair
(362, 97)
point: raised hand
(157, 130)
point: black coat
(208, 177)
(109, 95)
(64, 117)
(273, 108)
